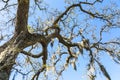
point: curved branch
(76, 5)
(64, 13)
(5, 1)
(61, 40)
(31, 54)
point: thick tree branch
(22, 16)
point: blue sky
(112, 67)
(70, 74)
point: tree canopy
(40, 39)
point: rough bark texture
(7, 60)
(10, 50)
(22, 39)
(22, 16)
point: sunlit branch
(56, 28)
(69, 44)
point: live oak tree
(33, 44)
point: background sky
(70, 74)
(112, 67)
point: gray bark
(10, 50)
(7, 60)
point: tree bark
(20, 40)
(22, 16)
(7, 60)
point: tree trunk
(20, 40)
(10, 50)
(7, 60)
(8, 54)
